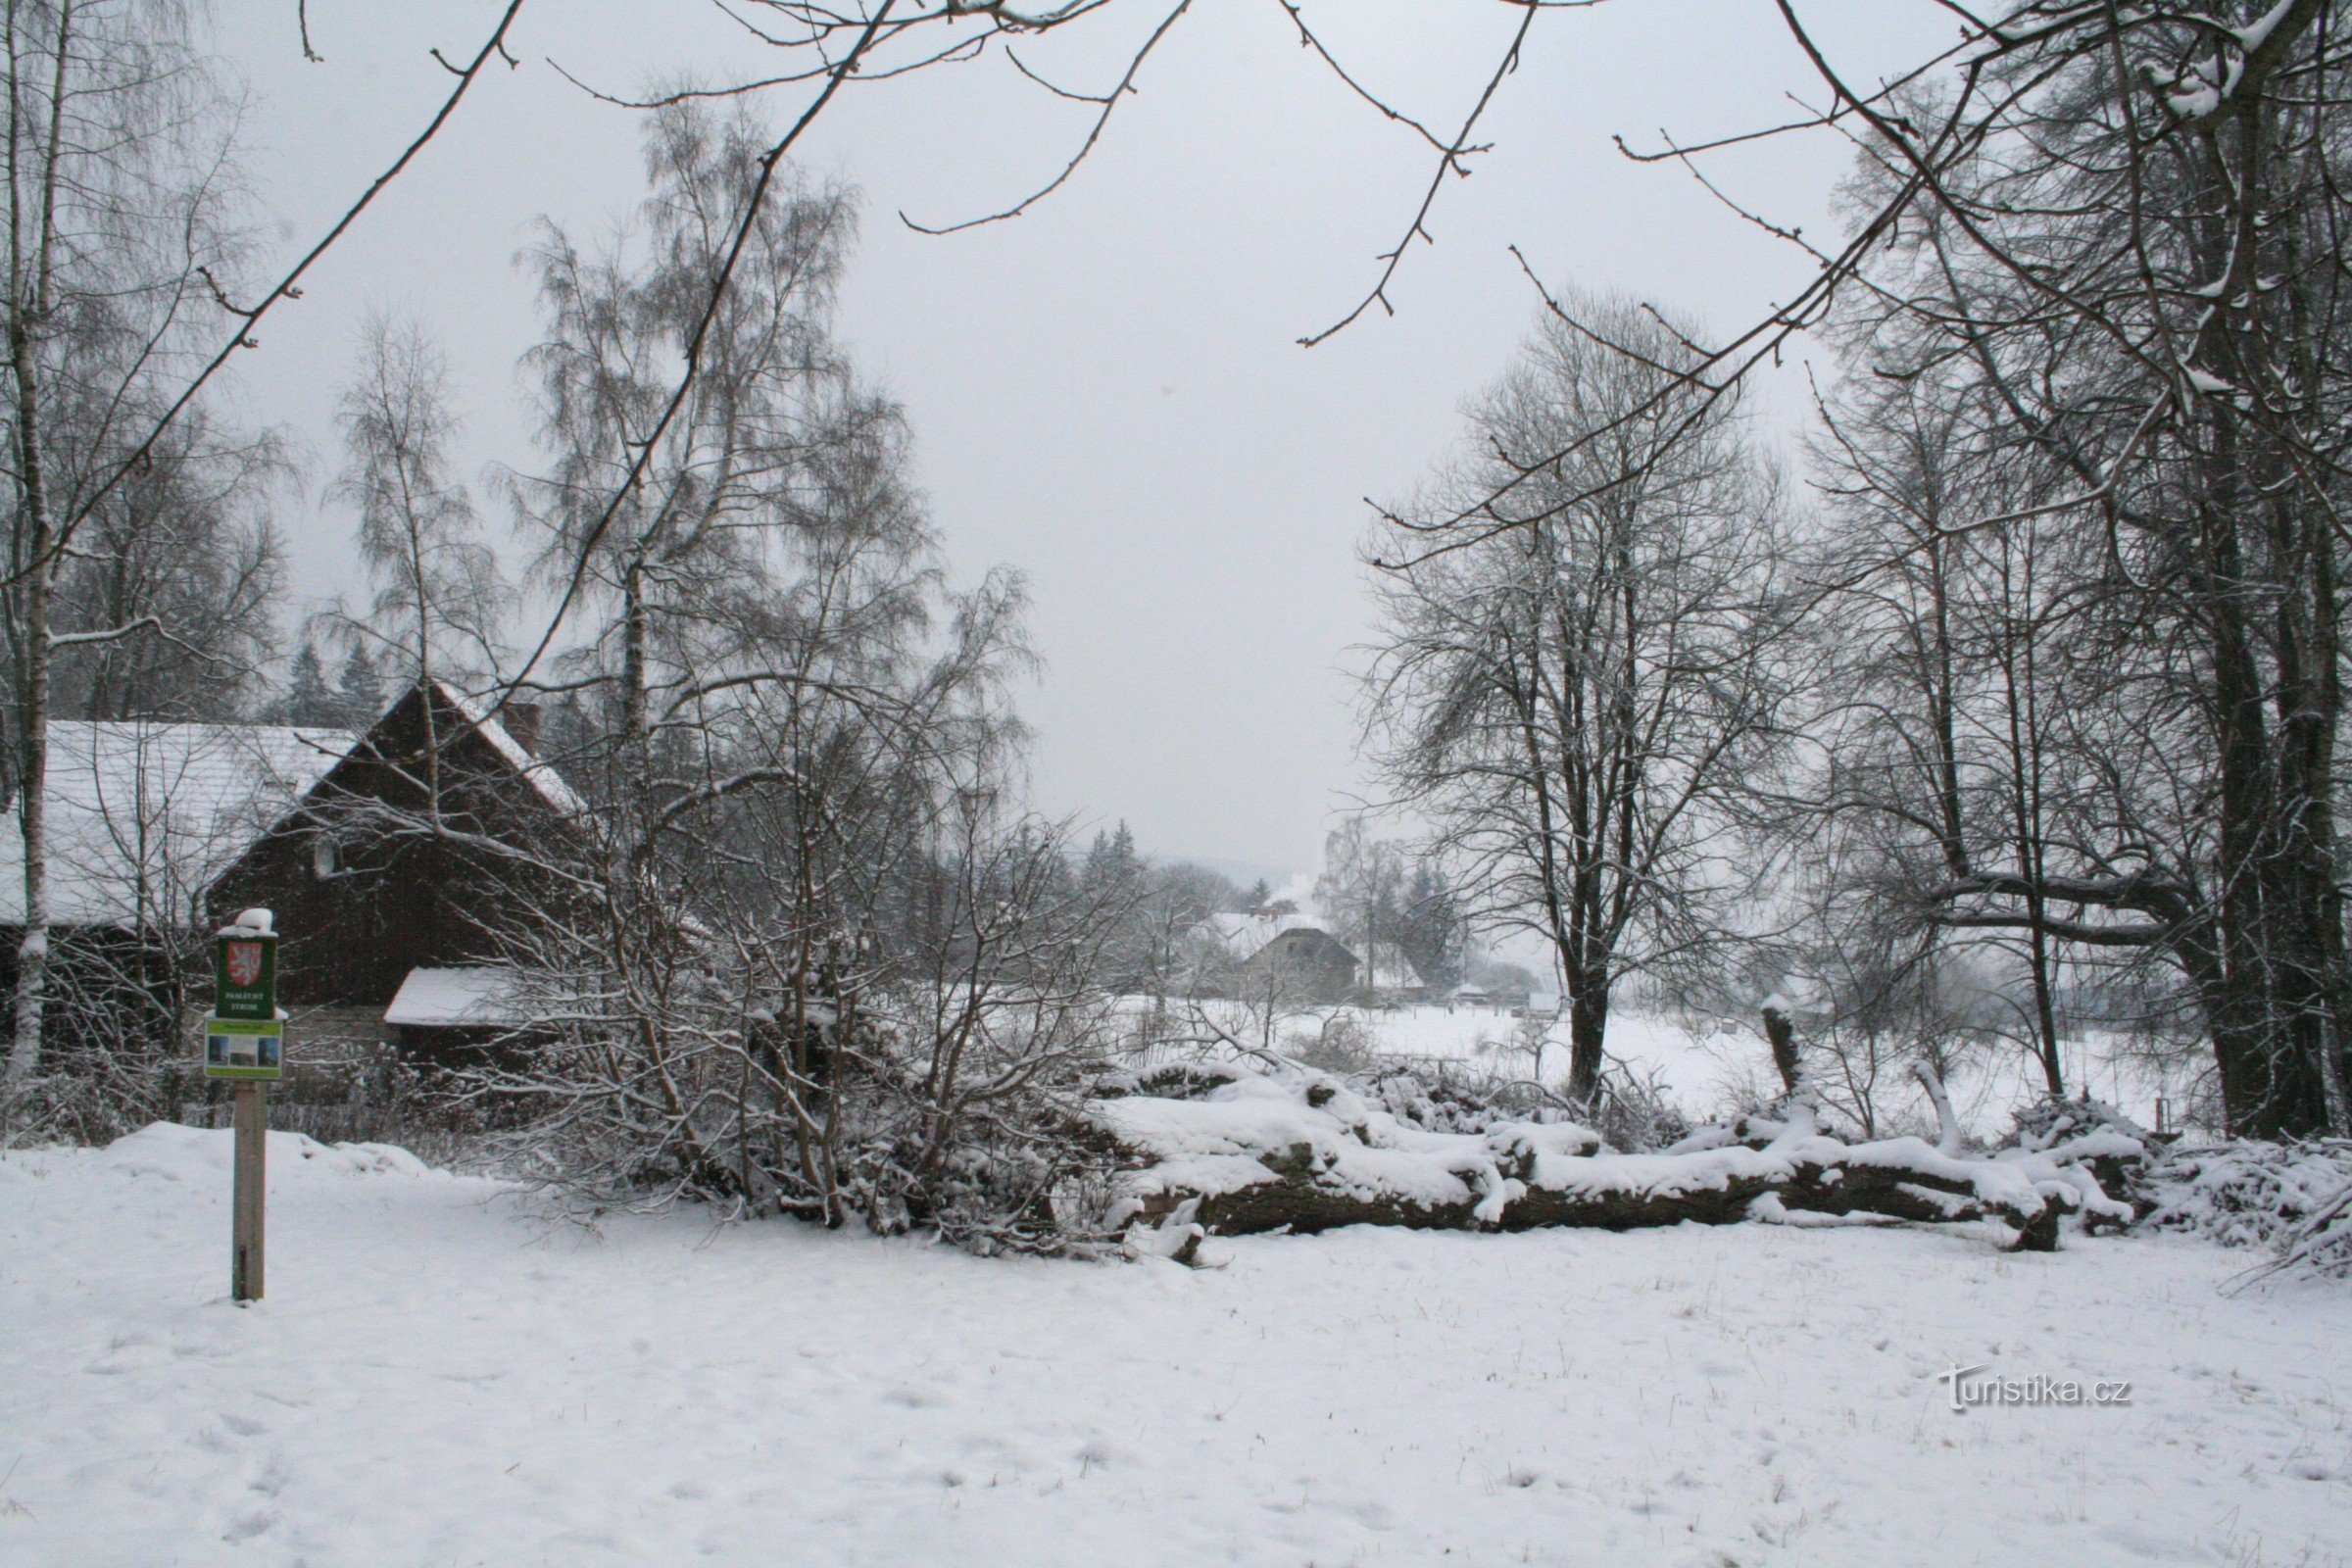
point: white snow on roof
(459, 998)
(1390, 970)
(551, 785)
(143, 816)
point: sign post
(244, 1042)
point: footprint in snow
(248, 1527)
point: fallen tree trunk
(1262, 1153)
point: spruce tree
(360, 691)
(307, 700)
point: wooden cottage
(402, 877)
(142, 817)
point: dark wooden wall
(398, 898)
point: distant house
(1390, 976)
(394, 921)
(1285, 950)
(141, 818)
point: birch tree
(440, 595)
(812, 958)
(440, 598)
(120, 204)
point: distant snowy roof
(551, 785)
(459, 999)
(1245, 936)
(143, 816)
(1390, 970)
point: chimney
(521, 721)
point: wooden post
(247, 1202)
(244, 1040)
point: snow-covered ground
(439, 1377)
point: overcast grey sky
(1105, 393)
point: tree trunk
(1588, 1027)
(32, 713)
(27, 307)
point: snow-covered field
(1699, 1068)
(1706, 1068)
(438, 1377)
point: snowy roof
(459, 999)
(1390, 970)
(143, 816)
(551, 785)
(1245, 936)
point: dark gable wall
(1316, 956)
(1317, 953)
(396, 899)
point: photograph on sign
(237, 1048)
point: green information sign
(245, 975)
(248, 1048)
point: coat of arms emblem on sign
(244, 962)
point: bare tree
(1952, 686)
(1361, 890)
(671, 529)
(119, 156)
(2112, 247)
(1576, 680)
(183, 549)
(440, 599)
(805, 956)
(440, 595)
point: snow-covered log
(1263, 1153)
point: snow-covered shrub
(956, 1110)
(1456, 1097)
(1176, 1080)
(2289, 1198)
(1634, 1114)
(2047, 1123)
(1630, 1114)
(1342, 1043)
(2092, 1134)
